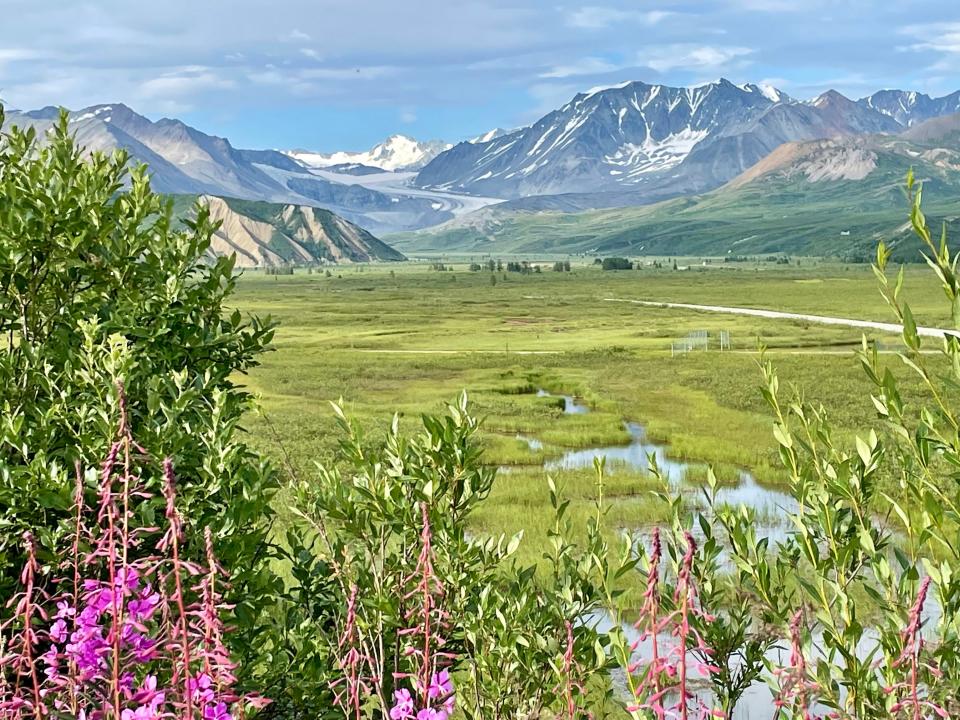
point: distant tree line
(524, 267)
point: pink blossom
(403, 707)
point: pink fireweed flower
(666, 675)
(797, 690)
(65, 610)
(107, 623)
(216, 712)
(201, 688)
(403, 707)
(432, 714)
(913, 694)
(58, 631)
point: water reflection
(570, 404)
(770, 505)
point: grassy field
(408, 339)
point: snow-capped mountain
(396, 153)
(652, 141)
(768, 91)
(911, 108)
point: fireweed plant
(663, 661)
(126, 628)
(418, 619)
(99, 280)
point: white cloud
(664, 58)
(14, 54)
(585, 66)
(408, 116)
(184, 81)
(297, 36)
(941, 37)
(595, 17)
(311, 53)
(348, 73)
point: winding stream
(771, 505)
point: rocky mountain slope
(644, 142)
(396, 154)
(263, 234)
(834, 196)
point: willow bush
(99, 283)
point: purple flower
(145, 605)
(431, 714)
(441, 686)
(403, 708)
(216, 712)
(201, 689)
(126, 684)
(65, 610)
(58, 631)
(144, 712)
(128, 578)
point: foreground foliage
(97, 286)
(125, 627)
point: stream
(772, 506)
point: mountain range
(836, 196)
(184, 160)
(626, 146)
(635, 143)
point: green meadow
(408, 339)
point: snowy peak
(396, 153)
(831, 98)
(768, 91)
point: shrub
(402, 595)
(617, 263)
(97, 285)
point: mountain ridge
(830, 196)
(652, 142)
(263, 234)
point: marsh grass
(373, 340)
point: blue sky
(343, 74)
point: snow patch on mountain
(654, 155)
(768, 91)
(489, 135)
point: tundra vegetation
(160, 560)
